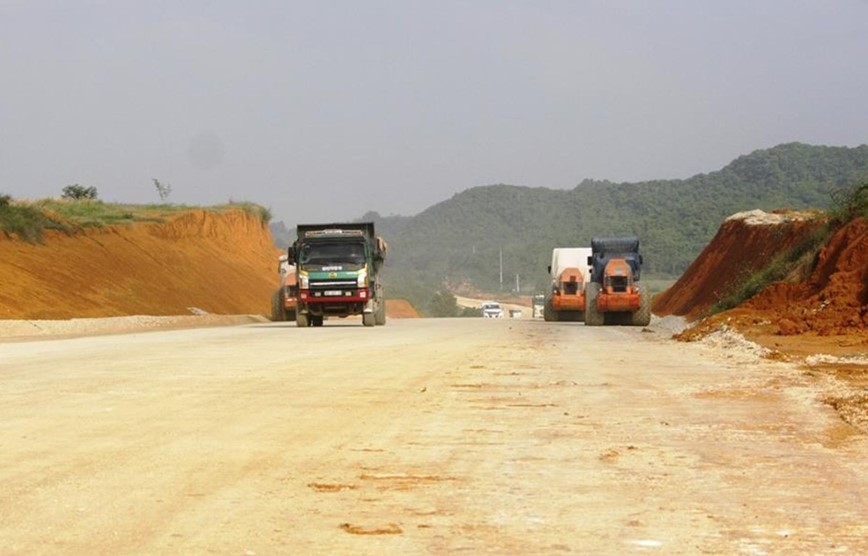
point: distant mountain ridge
(461, 240)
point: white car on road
(492, 310)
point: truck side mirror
(550, 268)
(290, 256)
(591, 260)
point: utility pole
(501, 269)
(517, 285)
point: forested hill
(460, 240)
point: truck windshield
(333, 253)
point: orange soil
(826, 312)
(738, 249)
(400, 309)
(222, 263)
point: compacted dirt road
(426, 436)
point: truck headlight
(362, 280)
(303, 281)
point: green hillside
(460, 240)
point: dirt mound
(400, 309)
(826, 312)
(196, 261)
(744, 243)
(820, 321)
(834, 299)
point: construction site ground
(425, 436)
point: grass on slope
(847, 204)
(28, 219)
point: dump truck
(338, 271)
(285, 298)
(614, 294)
(569, 271)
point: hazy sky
(323, 110)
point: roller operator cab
(338, 273)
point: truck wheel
(592, 316)
(380, 313)
(368, 319)
(642, 317)
(277, 313)
(290, 315)
(316, 320)
(301, 320)
(549, 313)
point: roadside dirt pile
(197, 261)
(400, 309)
(833, 301)
(818, 317)
(821, 310)
(744, 243)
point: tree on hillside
(163, 189)
(849, 203)
(443, 304)
(79, 192)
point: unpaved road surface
(426, 436)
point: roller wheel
(549, 313)
(642, 317)
(592, 316)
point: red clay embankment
(744, 243)
(820, 308)
(222, 263)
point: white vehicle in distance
(492, 310)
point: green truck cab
(338, 272)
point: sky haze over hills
(326, 110)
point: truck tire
(290, 315)
(380, 310)
(380, 313)
(642, 317)
(368, 319)
(301, 320)
(316, 320)
(277, 313)
(549, 313)
(592, 316)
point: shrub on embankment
(27, 220)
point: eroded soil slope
(219, 263)
(825, 311)
(743, 244)
(818, 318)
